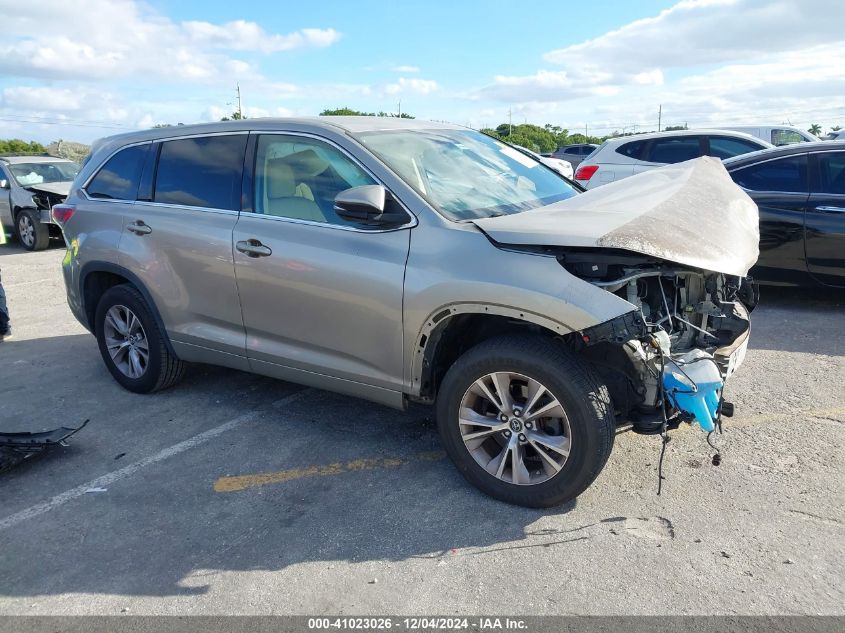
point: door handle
(253, 248)
(824, 209)
(139, 228)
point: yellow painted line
(243, 482)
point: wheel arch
(452, 329)
(97, 277)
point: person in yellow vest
(5, 330)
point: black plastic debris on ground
(17, 447)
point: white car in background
(624, 156)
(776, 134)
(560, 166)
(837, 135)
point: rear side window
(674, 150)
(118, 178)
(725, 146)
(832, 173)
(634, 149)
(201, 172)
(784, 174)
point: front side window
(832, 173)
(118, 178)
(781, 175)
(40, 173)
(725, 147)
(465, 174)
(299, 178)
(786, 137)
(204, 171)
(674, 150)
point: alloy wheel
(26, 230)
(515, 428)
(126, 341)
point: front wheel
(32, 234)
(525, 421)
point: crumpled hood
(57, 188)
(690, 213)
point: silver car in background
(400, 260)
(29, 187)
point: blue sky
(94, 67)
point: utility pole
(240, 110)
(400, 108)
(510, 121)
(586, 134)
(659, 116)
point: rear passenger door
(825, 219)
(177, 238)
(321, 297)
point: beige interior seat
(283, 198)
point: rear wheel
(32, 234)
(525, 421)
(131, 343)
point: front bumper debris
(17, 447)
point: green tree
(815, 129)
(672, 128)
(351, 112)
(17, 146)
(235, 116)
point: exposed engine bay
(686, 336)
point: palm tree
(815, 129)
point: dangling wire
(664, 433)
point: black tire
(163, 369)
(39, 237)
(584, 398)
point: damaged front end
(688, 334)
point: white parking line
(131, 469)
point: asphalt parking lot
(236, 494)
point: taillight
(585, 172)
(62, 213)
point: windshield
(465, 174)
(40, 173)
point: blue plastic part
(700, 397)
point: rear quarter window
(118, 178)
(634, 149)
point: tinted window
(725, 147)
(572, 150)
(201, 172)
(832, 172)
(299, 178)
(674, 150)
(785, 174)
(118, 178)
(633, 149)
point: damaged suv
(29, 187)
(399, 260)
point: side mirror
(4, 184)
(367, 204)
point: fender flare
(429, 334)
(106, 267)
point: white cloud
(405, 69)
(124, 38)
(241, 35)
(415, 86)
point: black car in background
(800, 191)
(574, 154)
